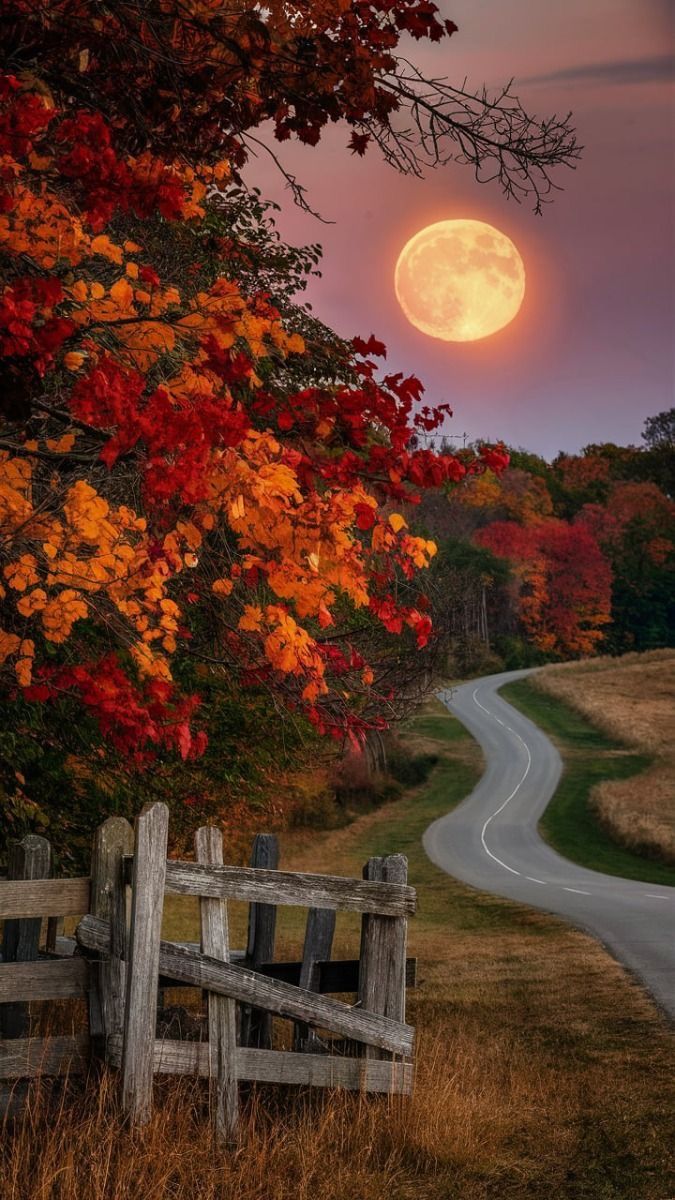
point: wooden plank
(27, 860)
(222, 1012)
(317, 947)
(44, 980)
(256, 1025)
(28, 1057)
(44, 898)
(249, 987)
(383, 950)
(285, 1067)
(336, 975)
(286, 887)
(112, 841)
(140, 1013)
(324, 1070)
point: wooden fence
(32, 972)
(122, 964)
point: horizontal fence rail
(280, 1066)
(44, 898)
(258, 886)
(26, 1058)
(248, 987)
(54, 979)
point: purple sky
(590, 355)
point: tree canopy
(203, 76)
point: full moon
(460, 280)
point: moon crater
(460, 280)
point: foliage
(589, 541)
(56, 779)
(564, 583)
(205, 75)
(660, 430)
(183, 473)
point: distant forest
(558, 560)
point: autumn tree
(181, 471)
(195, 474)
(205, 76)
(564, 583)
(658, 457)
(636, 530)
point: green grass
(589, 757)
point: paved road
(491, 842)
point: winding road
(491, 841)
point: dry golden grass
(544, 1072)
(523, 1090)
(632, 700)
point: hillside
(632, 700)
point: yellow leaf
(397, 522)
(237, 508)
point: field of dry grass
(544, 1071)
(632, 700)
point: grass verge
(543, 1071)
(590, 757)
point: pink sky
(590, 355)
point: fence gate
(127, 964)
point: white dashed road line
(508, 800)
(502, 806)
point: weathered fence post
(142, 975)
(383, 950)
(256, 1025)
(28, 859)
(222, 1012)
(317, 948)
(112, 841)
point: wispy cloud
(656, 69)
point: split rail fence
(119, 966)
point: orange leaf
(145, 341)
